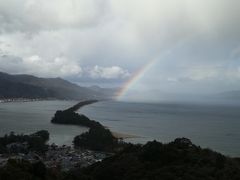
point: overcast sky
(196, 43)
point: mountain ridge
(29, 86)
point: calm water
(213, 126)
(28, 117)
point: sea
(214, 126)
(29, 117)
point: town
(62, 157)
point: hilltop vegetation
(178, 160)
(98, 139)
(24, 170)
(70, 117)
(16, 143)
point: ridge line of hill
(32, 87)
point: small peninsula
(97, 138)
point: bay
(29, 117)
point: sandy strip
(123, 135)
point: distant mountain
(28, 86)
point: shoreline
(120, 135)
(117, 135)
(9, 100)
(22, 100)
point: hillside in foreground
(178, 160)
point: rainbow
(133, 79)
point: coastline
(9, 100)
(120, 135)
(90, 123)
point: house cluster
(67, 157)
(5, 100)
(62, 157)
(16, 100)
(3, 160)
